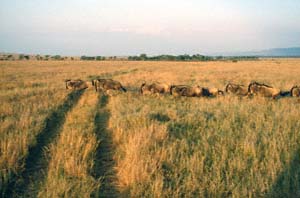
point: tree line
(187, 57)
(141, 57)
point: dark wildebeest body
(107, 84)
(263, 90)
(195, 91)
(295, 91)
(76, 84)
(240, 90)
(188, 91)
(154, 88)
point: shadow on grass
(104, 162)
(160, 117)
(27, 183)
(287, 183)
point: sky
(132, 27)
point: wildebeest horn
(252, 83)
(141, 89)
(227, 86)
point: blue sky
(129, 27)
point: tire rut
(27, 183)
(104, 162)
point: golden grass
(209, 147)
(72, 155)
(164, 146)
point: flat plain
(62, 143)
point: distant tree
(27, 57)
(143, 56)
(21, 56)
(100, 58)
(87, 58)
(56, 57)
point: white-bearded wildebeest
(76, 84)
(263, 90)
(107, 84)
(154, 88)
(240, 90)
(189, 91)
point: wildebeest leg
(96, 87)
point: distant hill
(287, 52)
(274, 52)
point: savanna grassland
(62, 143)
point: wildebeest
(107, 84)
(154, 88)
(240, 90)
(260, 89)
(295, 91)
(189, 91)
(185, 90)
(76, 84)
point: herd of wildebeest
(254, 88)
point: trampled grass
(162, 146)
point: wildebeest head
(76, 84)
(145, 89)
(295, 91)
(70, 83)
(66, 81)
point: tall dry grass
(204, 147)
(26, 100)
(164, 146)
(30, 91)
(218, 147)
(72, 155)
